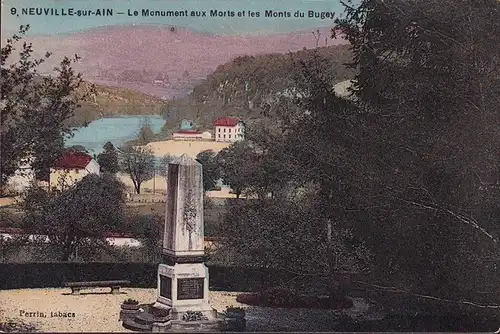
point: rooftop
(191, 132)
(226, 121)
(73, 160)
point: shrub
(234, 309)
(131, 301)
(280, 297)
(249, 299)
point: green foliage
(139, 163)
(77, 215)
(108, 159)
(130, 301)
(288, 235)
(428, 133)
(75, 148)
(408, 164)
(148, 228)
(211, 171)
(238, 166)
(146, 135)
(162, 167)
(35, 109)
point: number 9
(13, 11)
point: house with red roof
(229, 129)
(70, 168)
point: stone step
(134, 326)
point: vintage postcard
(227, 165)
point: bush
(131, 301)
(280, 296)
(289, 298)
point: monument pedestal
(184, 287)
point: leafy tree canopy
(34, 109)
(139, 163)
(108, 159)
(77, 215)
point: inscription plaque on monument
(190, 288)
(165, 287)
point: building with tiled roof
(229, 129)
(70, 168)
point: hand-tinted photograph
(250, 166)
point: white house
(70, 168)
(229, 129)
(191, 135)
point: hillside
(159, 60)
(241, 86)
(107, 101)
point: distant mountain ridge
(163, 61)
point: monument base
(178, 312)
(215, 325)
(183, 287)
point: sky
(13, 17)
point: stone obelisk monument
(182, 275)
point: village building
(191, 135)
(229, 129)
(187, 124)
(70, 168)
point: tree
(237, 166)
(108, 159)
(75, 148)
(306, 159)
(211, 172)
(149, 231)
(146, 134)
(34, 109)
(76, 216)
(288, 235)
(139, 163)
(162, 167)
(428, 88)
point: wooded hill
(105, 101)
(242, 86)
